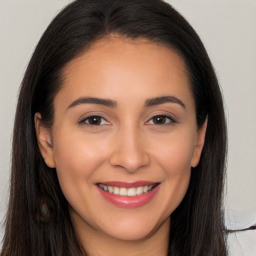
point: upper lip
(128, 184)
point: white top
(241, 243)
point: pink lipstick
(128, 195)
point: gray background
(228, 30)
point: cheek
(77, 157)
(176, 153)
(175, 159)
(78, 151)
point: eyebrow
(112, 104)
(90, 100)
(162, 100)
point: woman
(120, 138)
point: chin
(133, 229)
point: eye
(161, 120)
(94, 121)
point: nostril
(129, 163)
(129, 151)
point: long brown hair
(38, 221)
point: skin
(128, 144)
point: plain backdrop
(228, 30)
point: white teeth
(131, 192)
(123, 192)
(126, 191)
(139, 190)
(116, 191)
(104, 187)
(110, 189)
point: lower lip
(130, 201)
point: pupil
(94, 120)
(159, 120)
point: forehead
(122, 64)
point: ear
(199, 144)
(44, 141)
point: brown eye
(94, 121)
(161, 120)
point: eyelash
(170, 119)
(96, 118)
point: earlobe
(44, 141)
(199, 144)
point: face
(124, 137)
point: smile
(122, 191)
(128, 195)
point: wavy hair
(38, 220)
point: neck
(97, 243)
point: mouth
(128, 195)
(129, 190)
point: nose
(130, 152)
